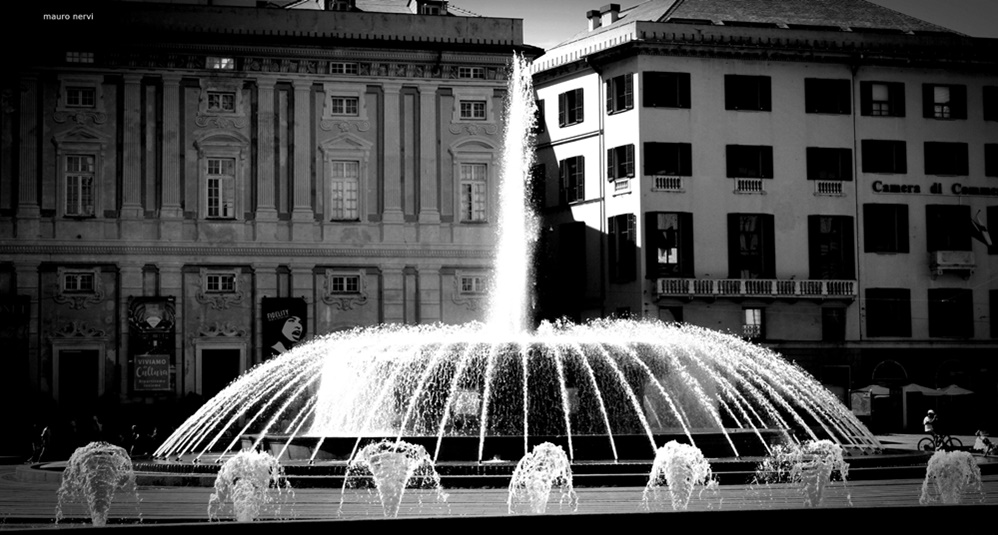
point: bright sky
(549, 22)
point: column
(171, 282)
(301, 214)
(131, 178)
(28, 210)
(27, 284)
(265, 274)
(429, 294)
(393, 155)
(303, 285)
(171, 208)
(393, 294)
(266, 209)
(131, 280)
(429, 211)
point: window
(344, 186)
(343, 106)
(947, 227)
(79, 282)
(990, 94)
(222, 63)
(471, 72)
(473, 192)
(473, 110)
(829, 164)
(669, 244)
(570, 108)
(750, 93)
(827, 96)
(620, 162)
(833, 324)
(80, 193)
(830, 247)
(946, 158)
(667, 89)
(620, 93)
(991, 159)
(221, 101)
(881, 99)
(752, 324)
(751, 246)
(337, 67)
(888, 312)
(669, 159)
(344, 284)
(79, 57)
(220, 282)
(749, 161)
(944, 101)
(883, 156)
(220, 192)
(951, 312)
(885, 228)
(81, 97)
(539, 126)
(474, 284)
(572, 179)
(622, 247)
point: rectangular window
(80, 186)
(749, 161)
(79, 282)
(344, 188)
(951, 313)
(620, 93)
(344, 284)
(221, 101)
(946, 158)
(829, 164)
(833, 324)
(881, 99)
(669, 244)
(888, 312)
(81, 97)
(991, 159)
(474, 284)
(884, 156)
(944, 101)
(666, 89)
(668, 159)
(570, 108)
(473, 192)
(473, 110)
(823, 95)
(220, 282)
(752, 325)
(221, 63)
(344, 105)
(750, 93)
(990, 97)
(79, 57)
(751, 246)
(885, 228)
(620, 162)
(221, 188)
(572, 179)
(830, 247)
(471, 72)
(342, 68)
(623, 249)
(947, 227)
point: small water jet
(543, 470)
(249, 482)
(808, 467)
(391, 468)
(680, 468)
(95, 473)
(948, 476)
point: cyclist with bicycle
(929, 422)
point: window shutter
(734, 250)
(730, 88)
(928, 101)
(814, 246)
(685, 159)
(578, 106)
(629, 160)
(896, 94)
(900, 157)
(580, 178)
(563, 109)
(765, 94)
(958, 101)
(628, 91)
(609, 95)
(866, 98)
(683, 91)
(686, 268)
(611, 245)
(845, 164)
(610, 165)
(629, 249)
(848, 249)
(768, 246)
(766, 162)
(563, 181)
(651, 245)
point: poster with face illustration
(284, 321)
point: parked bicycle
(940, 442)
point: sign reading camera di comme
(936, 189)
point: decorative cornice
(80, 116)
(220, 329)
(219, 121)
(474, 129)
(344, 125)
(250, 250)
(77, 329)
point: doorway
(77, 378)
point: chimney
(610, 13)
(594, 19)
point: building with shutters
(813, 176)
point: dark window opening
(827, 96)
(946, 158)
(885, 228)
(671, 159)
(833, 324)
(829, 164)
(884, 156)
(947, 227)
(750, 93)
(944, 101)
(623, 248)
(881, 99)
(830, 247)
(667, 89)
(570, 108)
(572, 179)
(620, 93)
(751, 246)
(991, 159)
(951, 312)
(620, 162)
(888, 312)
(669, 244)
(749, 161)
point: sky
(549, 22)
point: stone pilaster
(171, 208)
(303, 285)
(266, 286)
(131, 124)
(27, 284)
(171, 283)
(28, 210)
(393, 155)
(131, 280)
(302, 216)
(429, 294)
(393, 294)
(429, 210)
(266, 207)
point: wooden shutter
(734, 250)
(958, 101)
(768, 246)
(628, 91)
(845, 164)
(629, 160)
(578, 106)
(731, 154)
(608, 85)
(813, 163)
(563, 109)
(686, 268)
(765, 93)
(766, 162)
(895, 92)
(814, 246)
(848, 249)
(628, 249)
(683, 89)
(563, 181)
(866, 98)
(900, 157)
(580, 178)
(611, 245)
(685, 154)
(928, 100)
(651, 245)
(901, 218)
(611, 164)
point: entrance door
(218, 368)
(79, 378)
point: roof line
(668, 12)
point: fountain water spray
(948, 476)
(94, 474)
(392, 467)
(681, 468)
(249, 481)
(544, 469)
(809, 467)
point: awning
(951, 390)
(875, 390)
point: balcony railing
(768, 288)
(749, 185)
(668, 183)
(828, 187)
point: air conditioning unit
(959, 262)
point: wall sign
(936, 188)
(284, 321)
(152, 372)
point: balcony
(668, 183)
(959, 262)
(750, 186)
(784, 289)
(828, 188)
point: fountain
(544, 469)
(392, 467)
(809, 467)
(948, 476)
(94, 474)
(681, 468)
(248, 481)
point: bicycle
(940, 442)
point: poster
(151, 342)
(284, 322)
(152, 372)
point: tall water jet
(248, 482)
(543, 470)
(94, 474)
(948, 476)
(392, 467)
(680, 468)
